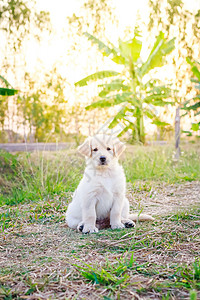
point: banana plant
(136, 95)
(195, 107)
(7, 91)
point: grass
(157, 261)
(153, 163)
(36, 176)
(41, 258)
(31, 177)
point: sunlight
(67, 51)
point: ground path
(37, 261)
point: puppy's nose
(102, 158)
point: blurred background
(69, 69)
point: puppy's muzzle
(102, 160)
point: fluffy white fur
(101, 192)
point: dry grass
(40, 258)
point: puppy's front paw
(80, 227)
(117, 225)
(89, 229)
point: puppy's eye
(95, 149)
(108, 148)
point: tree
(174, 19)
(6, 91)
(132, 88)
(43, 111)
(193, 105)
(94, 16)
(18, 19)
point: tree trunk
(177, 133)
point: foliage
(195, 105)
(131, 89)
(95, 15)
(110, 275)
(43, 110)
(5, 91)
(172, 17)
(32, 177)
(18, 18)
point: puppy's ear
(85, 148)
(119, 147)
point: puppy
(100, 197)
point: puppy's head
(103, 150)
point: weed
(189, 276)
(111, 274)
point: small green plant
(189, 276)
(110, 275)
(193, 295)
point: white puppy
(101, 192)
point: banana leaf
(8, 92)
(159, 123)
(194, 68)
(110, 101)
(120, 115)
(105, 50)
(149, 99)
(115, 85)
(195, 126)
(131, 49)
(96, 76)
(155, 59)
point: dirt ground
(163, 198)
(37, 261)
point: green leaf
(96, 76)
(160, 102)
(196, 114)
(160, 123)
(130, 49)
(5, 81)
(160, 90)
(193, 107)
(115, 85)
(8, 92)
(118, 59)
(155, 59)
(105, 50)
(189, 133)
(124, 130)
(120, 115)
(194, 80)
(195, 126)
(196, 72)
(150, 114)
(110, 101)
(149, 99)
(194, 68)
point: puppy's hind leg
(125, 215)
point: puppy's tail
(140, 217)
